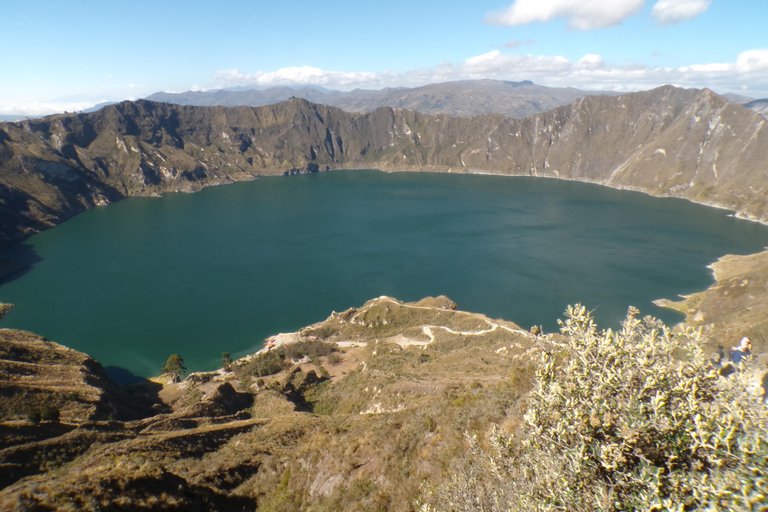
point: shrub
(49, 413)
(267, 363)
(34, 416)
(271, 362)
(311, 348)
(632, 420)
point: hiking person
(743, 350)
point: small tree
(226, 359)
(174, 367)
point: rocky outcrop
(670, 142)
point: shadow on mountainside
(123, 377)
(16, 259)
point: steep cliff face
(684, 143)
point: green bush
(309, 348)
(632, 420)
(49, 413)
(34, 416)
(267, 363)
(271, 362)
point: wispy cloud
(41, 108)
(668, 12)
(581, 14)
(516, 43)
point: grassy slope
(410, 380)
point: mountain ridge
(684, 143)
(464, 98)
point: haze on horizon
(71, 56)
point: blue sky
(70, 55)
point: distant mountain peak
(464, 98)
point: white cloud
(715, 67)
(752, 61)
(668, 12)
(581, 14)
(483, 63)
(748, 74)
(590, 61)
(304, 75)
(588, 72)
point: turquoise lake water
(220, 270)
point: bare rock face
(671, 142)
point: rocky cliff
(685, 143)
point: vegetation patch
(637, 419)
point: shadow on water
(140, 396)
(16, 259)
(122, 376)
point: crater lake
(221, 269)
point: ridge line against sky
(69, 56)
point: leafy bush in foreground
(629, 420)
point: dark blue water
(220, 270)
